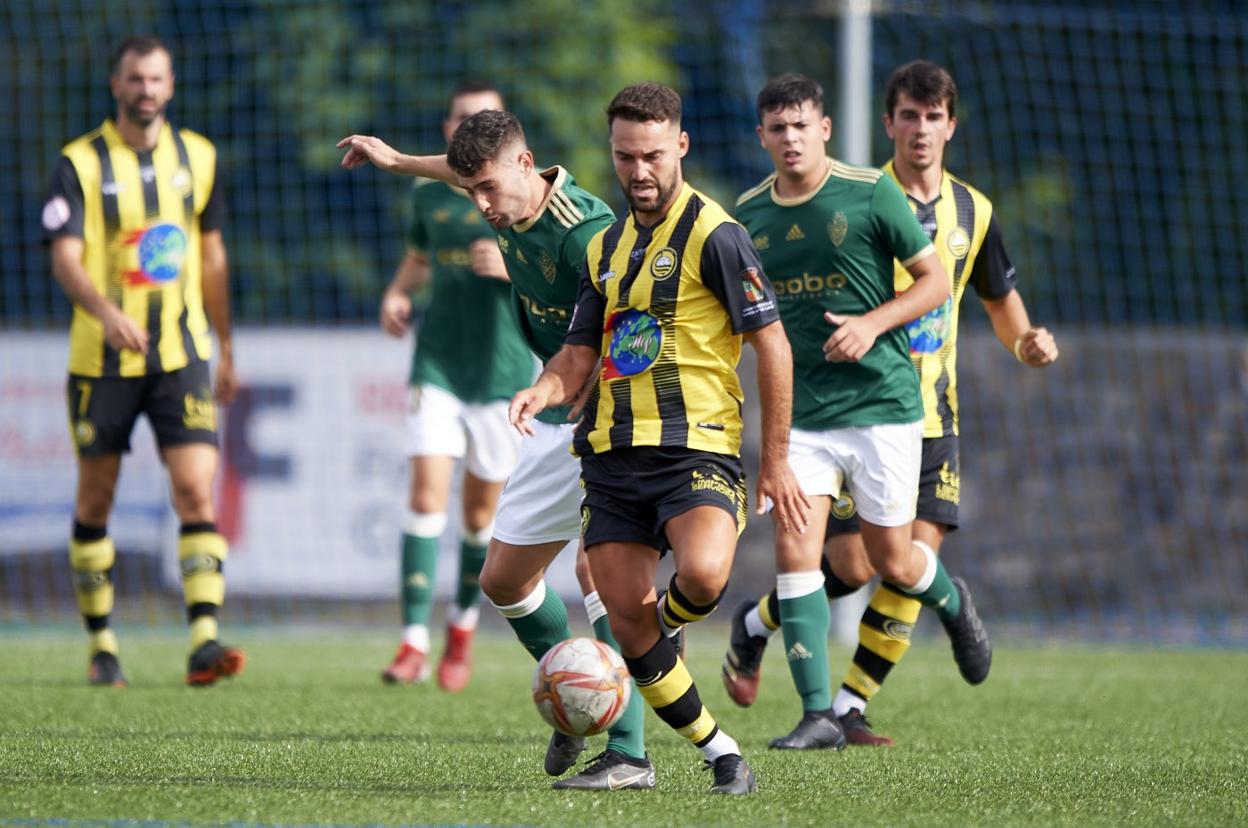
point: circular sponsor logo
(958, 242)
(55, 214)
(84, 432)
(636, 337)
(162, 252)
(181, 181)
(663, 264)
(897, 629)
(197, 564)
(843, 507)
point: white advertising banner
(313, 483)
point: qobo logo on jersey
(161, 253)
(636, 337)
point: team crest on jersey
(441, 215)
(181, 181)
(958, 242)
(930, 331)
(636, 338)
(762, 242)
(752, 286)
(837, 228)
(161, 251)
(547, 264)
(663, 264)
(504, 245)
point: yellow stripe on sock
(886, 647)
(90, 562)
(669, 688)
(203, 629)
(201, 554)
(701, 727)
(104, 641)
(681, 615)
(764, 614)
(889, 603)
(861, 683)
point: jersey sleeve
(418, 220)
(575, 242)
(588, 315)
(732, 271)
(213, 216)
(992, 275)
(63, 208)
(896, 226)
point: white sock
(525, 606)
(424, 524)
(847, 701)
(463, 617)
(754, 624)
(721, 744)
(663, 627)
(417, 635)
(790, 585)
(594, 608)
(929, 570)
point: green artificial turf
(308, 735)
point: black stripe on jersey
(635, 258)
(621, 431)
(610, 241)
(112, 224)
(873, 664)
(669, 398)
(964, 208)
(188, 209)
(155, 299)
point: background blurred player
(469, 359)
(133, 219)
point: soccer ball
(581, 687)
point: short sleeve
(213, 217)
(576, 241)
(896, 226)
(732, 271)
(588, 315)
(992, 275)
(63, 208)
(418, 221)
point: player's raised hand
(853, 337)
(225, 387)
(366, 149)
(396, 312)
(120, 331)
(487, 259)
(1037, 348)
(777, 482)
(526, 405)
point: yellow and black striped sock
(668, 688)
(91, 558)
(883, 638)
(677, 610)
(202, 552)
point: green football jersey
(833, 251)
(469, 341)
(545, 256)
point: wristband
(1018, 343)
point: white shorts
(879, 465)
(541, 502)
(439, 424)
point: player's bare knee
(477, 517)
(702, 583)
(192, 500)
(853, 573)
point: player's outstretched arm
(775, 388)
(854, 335)
(367, 149)
(560, 382)
(1031, 346)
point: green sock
(941, 595)
(420, 566)
(542, 628)
(804, 622)
(471, 559)
(628, 735)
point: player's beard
(138, 116)
(665, 189)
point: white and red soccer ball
(581, 687)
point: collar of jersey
(782, 201)
(556, 184)
(113, 138)
(678, 207)
(946, 185)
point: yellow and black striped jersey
(140, 215)
(967, 236)
(666, 306)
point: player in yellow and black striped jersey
(667, 295)
(921, 100)
(133, 221)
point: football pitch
(1059, 735)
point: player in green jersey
(544, 222)
(828, 234)
(921, 99)
(469, 359)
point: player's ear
(825, 126)
(684, 144)
(526, 161)
(758, 130)
(953, 126)
(888, 125)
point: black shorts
(178, 404)
(939, 484)
(631, 493)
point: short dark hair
(141, 45)
(789, 90)
(473, 86)
(926, 82)
(643, 102)
(480, 139)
